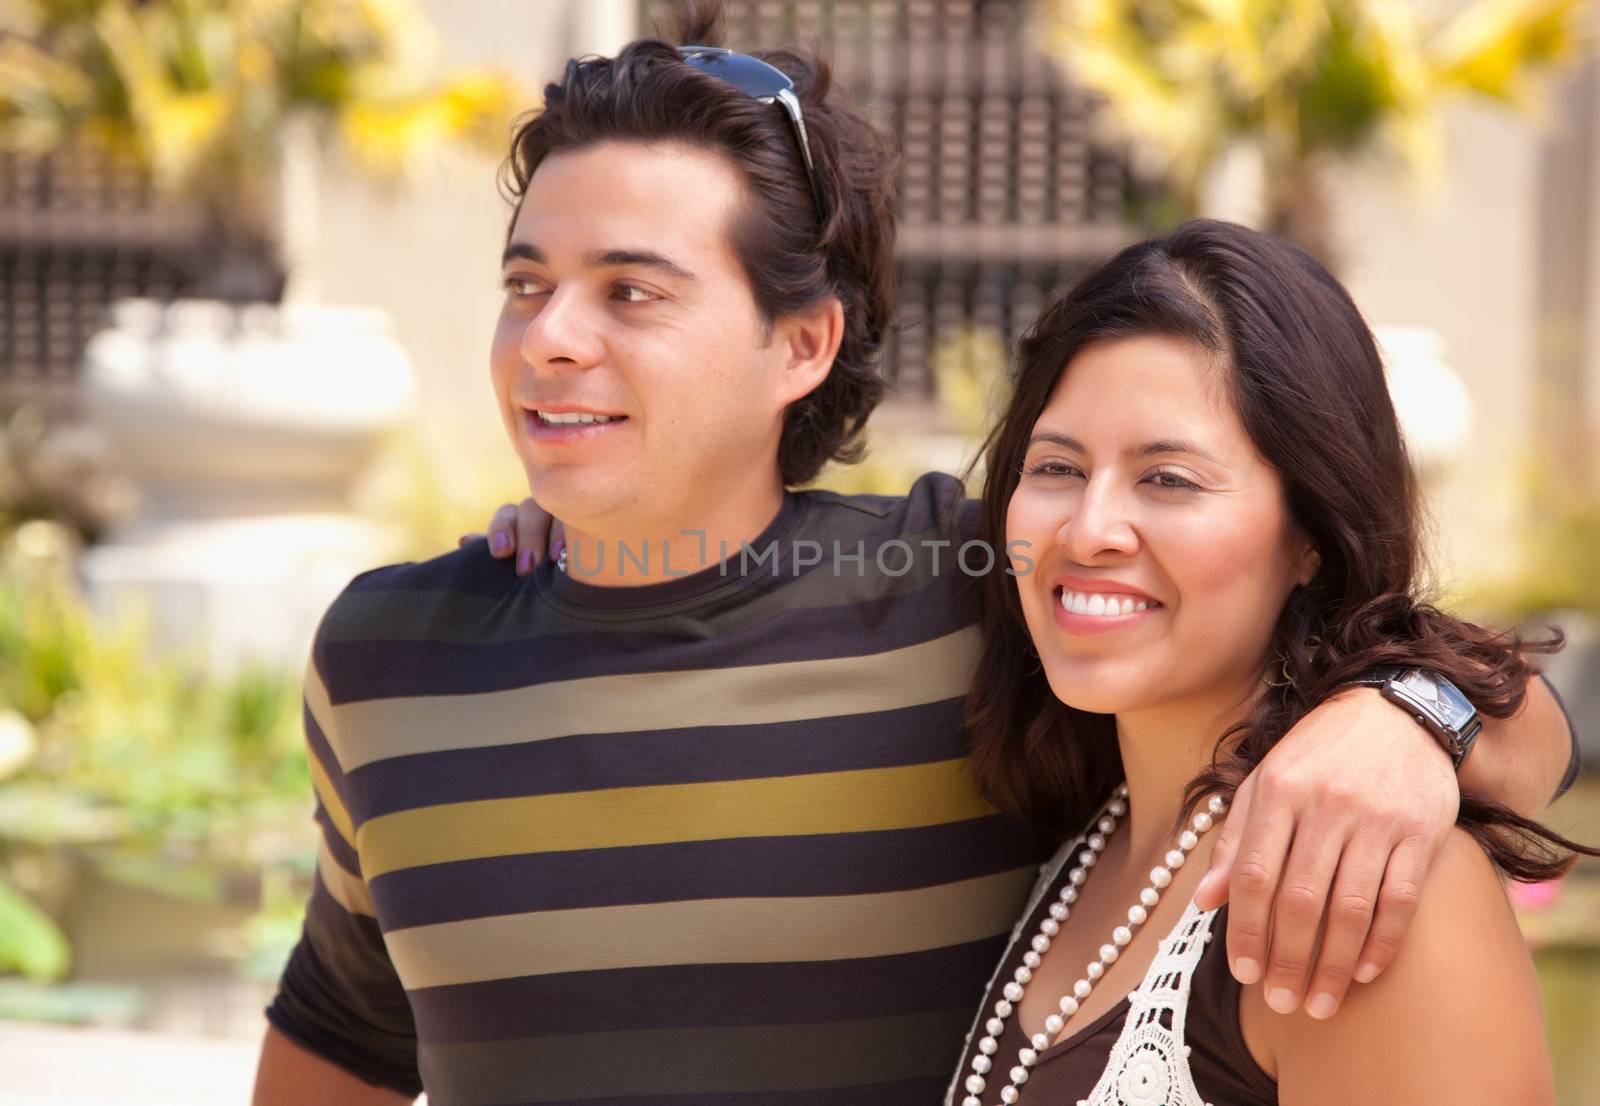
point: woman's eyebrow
(1148, 449)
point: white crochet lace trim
(1149, 1064)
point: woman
(1201, 453)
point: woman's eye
(1051, 468)
(1172, 482)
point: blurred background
(248, 277)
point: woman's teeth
(575, 418)
(1100, 606)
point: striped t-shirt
(711, 840)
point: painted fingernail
(1281, 999)
(1322, 1006)
(1246, 970)
(1366, 973)
(525, 562)
(499, 543)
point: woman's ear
(1309, 565)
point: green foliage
(30, 942)
(1302, 81)
(152, 769)
(201, 92)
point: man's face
(625, 304)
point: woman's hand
(524, 529)
(1341, 820)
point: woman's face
(1163, 550)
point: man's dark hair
(648, 94)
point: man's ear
(809, 342)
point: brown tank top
(1224, 1072)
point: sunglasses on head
(766, 83)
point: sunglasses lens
(751, 76)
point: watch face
(1440, 698)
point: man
(689, 822)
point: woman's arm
(1455, 1019)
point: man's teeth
(574, 418)
(1100, 606)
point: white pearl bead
(1106, 825)
(1019, 1074)
(1013, 992)
(1138, 915)
(1188, 840)
(1069, 895)
(1122, 791)
(1202, 821)
(976, 1084)
(1174, 858)
(1116, 808)
(1040, 1041)
(972, 1100)
(1088, 859)
(1081, 989)
(1160, 877)
(994, 1027)
(982, 1064)
(1121, 936)
(1149, 897)
(1076, 876)
(1041, 944)
(1002, 1009)
(1053, 1024)
(988, 1045)
(1069, 1005)
(1097, 841)
(1009, 1095)
(1108, 954)
(1049, 927)
(1058, 912)
(1094, 969)
(1028, 1057)
(1217, 805)
(1032, 959)
(1022, 975)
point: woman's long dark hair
(1306, 379)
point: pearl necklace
(1050, 925)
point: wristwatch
(1433, 701)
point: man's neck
(633, 556)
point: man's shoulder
(936, 503)
(381, 601)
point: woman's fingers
(532, 536)
(503, 530)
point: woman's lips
(1075, 610)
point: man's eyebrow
(603, 259)
(645, 259)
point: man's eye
(519, 286)
(632, 293)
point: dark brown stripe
(653, 1062)
(826, 864)
(709, 995)
(645, 758)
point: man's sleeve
(339, 996)
(1576, 762)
